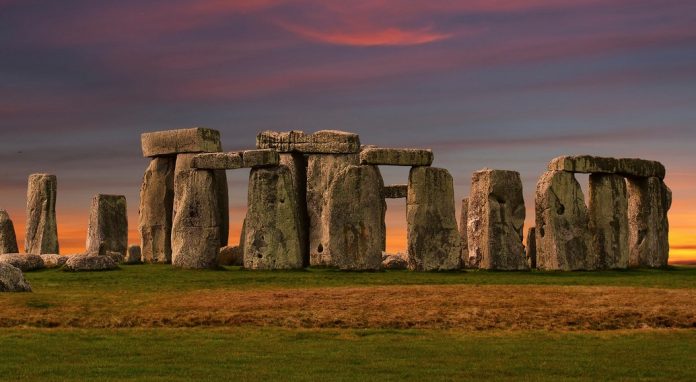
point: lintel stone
(396, 157)
(624, 166)
(395, 191)
(172, 142)
(320, 142)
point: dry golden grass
(465, 307)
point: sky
(507, 84)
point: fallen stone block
(8, 238)
(608, 210)
(53, 260)
(218, 161)
(392, 261)
(233, 256)
(172, 142)
(89, 263)
(396, 157)
(155, 214)
(108, 224)
(41, 228)
(395, 191)
(133, 255)
(592, 164)
(26, 262)
(321, 142)
(649, 200)
(12, 279)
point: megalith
(530, 250)
(463, 235)
(433, 237)
(563, 239)
(41, 228)
(297, 164)
(649, 199)
(496, 220)
(108, 225)
(272, 225)
(155, 215)
(355, 214)
(8, 238)
(608, 209)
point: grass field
(158, 323)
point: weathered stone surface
(89, 263)
(26, 262)
(53, 260)
(196, 224)
(395, 191)
(433, 237)
(322, 169)
(217, 161)
(8, 239)
(608, 210)
(260, 158)
(464, 238)
(41, 229)
(321, 142)
(133, 255)
(649, 199)
(396, 157)
(185, 162)
(231, 256)
(496, 220)
(356, 209)
(171, 142)
(394, 261)
(271, 228)
(297, 164)
(563, 237)
(531, 251)
(624, 166)
(108, 224)
(155, 215)
(12, 279)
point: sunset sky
(506, 84)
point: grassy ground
(159, 323)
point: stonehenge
(608, 209)
(41, 228)
(12, 279)
(649, 199)
(133, 255)
(463, 236)
(156, 206)
(26, 262)
(8, 238)
(89, 263)
(108, 225)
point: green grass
(154, 278)
(344, 355)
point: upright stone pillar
(107, 232)
(463, 235)
(355, 214)
(563, 237)
(297, 164)
(272, 225)
(41, 229)
(8, 239)
(156, 205)
(649, 199)
(531, 251)
(496, 220)
(433, 238)
(608, 209)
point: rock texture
(156, 205)
(433, 238)
(396, 157)
(563, 237)
(170, 142)
(297, 164)
(649, 199)
(272, 234)
(12, 279)
(356, 210)
(231, 256)
(41, 229)
(260, 158)
(108, 224)
(321, 171)
(463, 237)
(89, 263)
(608, 210)
(196, 228)
(531, 251)
(133, 255)
(26, 262)
(393, 261)
(496, 220)
(395, 191)
(321, 142)
(624, 166)
(8, 239)
(217, 161)
(53, 260)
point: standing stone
(531, 250)
(649, 199)
(196, 221)
(8, 239)
(134, 255)
(563, 237)
(41, 230)
(297, 164)
(609, 221)
(322, 169)
(272, 225)
(108, 225)
(496, 220)
(433, 238)
(355, 214)
(156, 204)
(463, 237)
